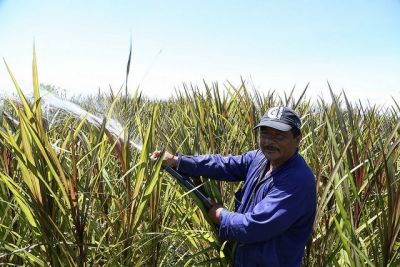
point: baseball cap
(280, 118)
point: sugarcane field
(208, 169)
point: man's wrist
(218, 214)
(215, 213)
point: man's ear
(298, 139)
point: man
(275, 209)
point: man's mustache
(272, 148)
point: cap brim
(274, 124)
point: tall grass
(72, 194)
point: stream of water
(49, 100)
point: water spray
(115, 129)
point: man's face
(278, 146)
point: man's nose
(266, 141)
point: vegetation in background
(71, 194)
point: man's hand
(168, 160)
(215, 211)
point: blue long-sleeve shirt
(274, 213)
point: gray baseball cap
(280, 118)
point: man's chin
(270, 155)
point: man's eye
(271, 136)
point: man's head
(280, 134)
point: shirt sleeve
(229, 168)
(272, 216)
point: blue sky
(84, 45)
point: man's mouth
(271, 149)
